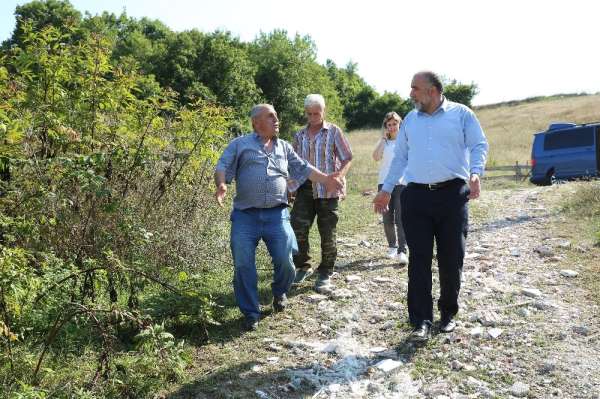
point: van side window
(582, 137)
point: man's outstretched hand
(381, 201)
(333, 183)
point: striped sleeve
(342, 146)
(296, 143)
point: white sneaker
(391, 253)
(402, 258)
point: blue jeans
(248, 226)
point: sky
(512, 49)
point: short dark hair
(434, 79)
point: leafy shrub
(104, 194)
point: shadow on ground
(187, 316)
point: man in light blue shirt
(441, 152)
(261, 164)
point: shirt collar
(443, 107)
(326, 126)
(257, 137)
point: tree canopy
(217, 67)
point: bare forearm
(345, 167)
(317, 176)
(378, 152)
(219, 178)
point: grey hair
(433, 79)
(258, 108)
(313, 100)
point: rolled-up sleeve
(298, 168)
(399, 161)
(228, 161)
(476, 143)
(342, 146)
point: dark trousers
(305, 209)
(392, 220)
(440, 215)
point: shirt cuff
(299, 179)
(388, 188)
(477, 171)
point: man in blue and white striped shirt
(441, 152)
(261, 164)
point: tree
(386, 103)
(224, 66)
(460, 92)
(287, 72)
(354, 93)
(42, 13)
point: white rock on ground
(377, 349)
(382, 280)
(342, 293)
(316, 298)
(519, 389)
(544, 251)
(531, 292)
(495, 332)
(476, 332)
(568, 273)
(387, 365)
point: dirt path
(524, 329)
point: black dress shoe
(447, 325)
(250, 324)
(421, 333)
(280, 303)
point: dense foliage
(104, 193)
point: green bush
(104, 193)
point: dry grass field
(509, 129)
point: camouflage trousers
(304, 212)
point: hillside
(509, 128)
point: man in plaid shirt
(326, 148)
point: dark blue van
(565, 151)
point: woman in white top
(392, 220)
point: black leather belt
(437, 186)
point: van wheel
(550, 178)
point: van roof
(565, 126)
